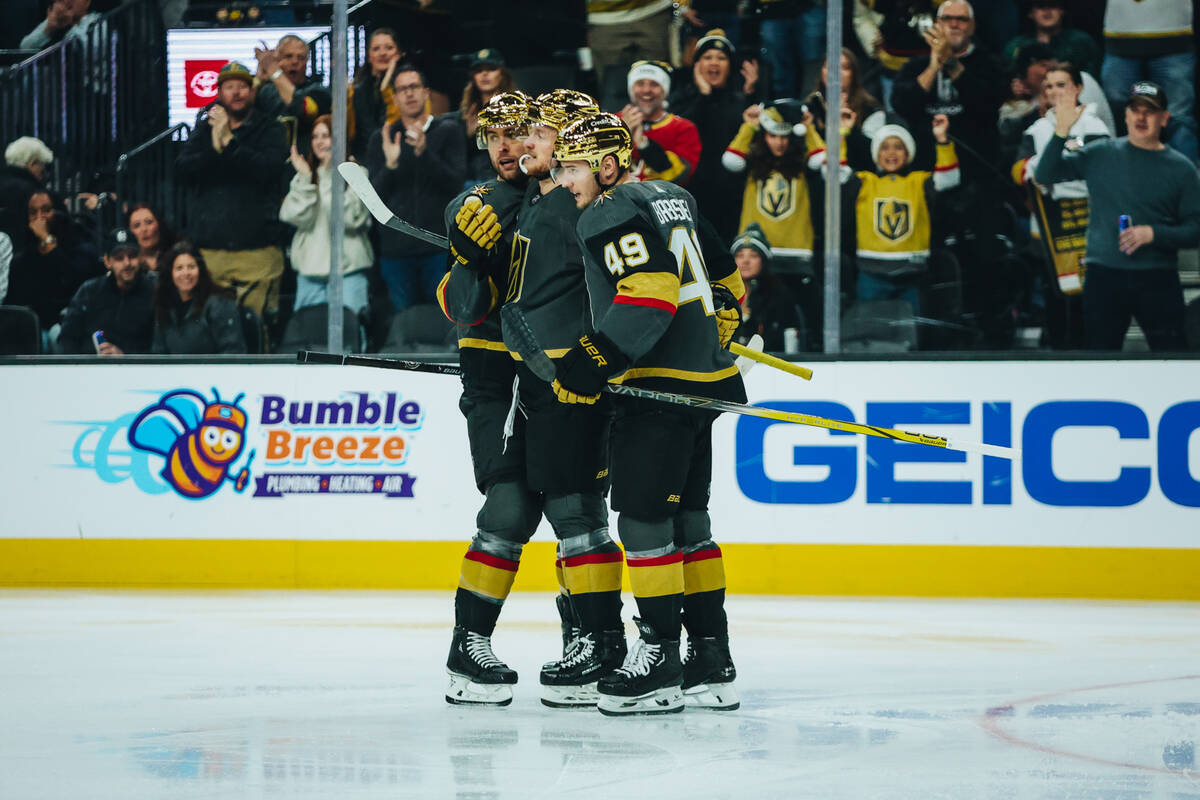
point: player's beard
(534, 170)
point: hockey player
(479, 223)
(566, 446)
(656, 325)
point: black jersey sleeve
(645, 277)
(720, 263)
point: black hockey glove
(729, 312)
(583, 372)
(474, 234)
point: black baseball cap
(487, 57)
(1149, 93)
(118, 240)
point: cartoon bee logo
(200, 441)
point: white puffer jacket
(307, 207)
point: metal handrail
(167, 134)
(90, 96)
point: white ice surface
(339, 694)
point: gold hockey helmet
(593, 137)
(561, 107)
(507, 110)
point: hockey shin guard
(591, 569)
(704, 591)
(656, 577)
(488, 570)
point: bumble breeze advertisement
(351, 443)
(363, 431)
(237, 451)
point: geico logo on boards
(1037, 464)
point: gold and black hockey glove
(583, 372)
(475, 232)
(729, 313)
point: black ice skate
(708, 674)
(477, 677)
(571, 682)
(570, 624)
(649, 682)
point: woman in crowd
(489, 77)
(307, 206)
(769, 308)
(370, 95)
(770, 149)
(191, 315)
(862, 114)
(154, 236)
(49, 263)
(1064, 315)
(714, 99)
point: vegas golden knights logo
(893, 218)
(776, 197)
(516, 266)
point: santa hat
(888, 131)
(655, 71)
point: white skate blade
(463, 691)
(584, 696)
(667, 700)
(713, 696)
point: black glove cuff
(586, 367)
(723, 297)
(466, 252)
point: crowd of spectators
(958, 170)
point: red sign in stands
(200, 80)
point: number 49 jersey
(650, 292)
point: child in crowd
(892, 217)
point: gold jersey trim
(676, 374)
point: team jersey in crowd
(650, 290)
(673, 152)
(892, 209)
(780, 205)
(893, 214)
(471, 298)
(545, 274)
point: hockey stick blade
(520, 338)
(313, 357)
(360, 183)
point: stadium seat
(19, 331)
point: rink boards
(352, 477)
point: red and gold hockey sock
(657, 582)
(704, 591)
(593, 579)
(483, 585)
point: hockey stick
(519, 338)
(313, 357)
(360, 183)
(770, 361)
